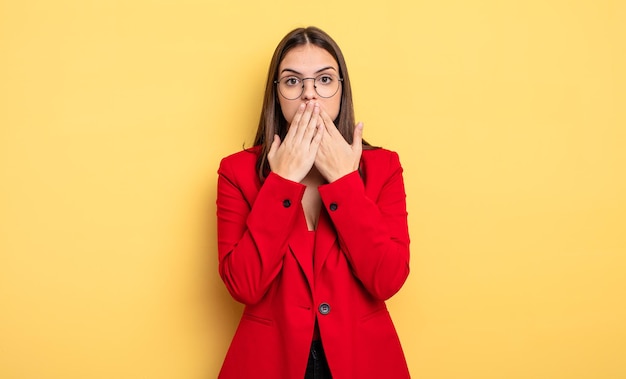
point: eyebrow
(316, 72)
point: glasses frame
(277, 82)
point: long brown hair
(272, 120)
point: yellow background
(508, 116)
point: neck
(313, 177)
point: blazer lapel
(301, 249)
(325, 239)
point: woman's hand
(335, 157)
(293, 158)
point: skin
(313, 151)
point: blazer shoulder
(380, 157)
(242, 157)
(240, 167)
(378, 166)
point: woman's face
(309, 61)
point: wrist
(338, 175)
(289, 176)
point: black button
(286, 203)
(333, 206)
(324, 308)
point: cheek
(333, 111)
(288, 108)
(334, 104)
(332, 107)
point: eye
(291, 81)
(325, 79)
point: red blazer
(361, 258)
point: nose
(308, 89)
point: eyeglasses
(292, 87)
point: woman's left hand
(335, 157)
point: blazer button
(324, 308)
(333, 206)
(286, 203)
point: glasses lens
(326, 85)
(290, 87)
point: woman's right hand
(293, 158)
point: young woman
(312, 229)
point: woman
(312, 229)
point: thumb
(357, 139)
(275, 144)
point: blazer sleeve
(252, 233)
(373, 233)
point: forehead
(307, 59)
